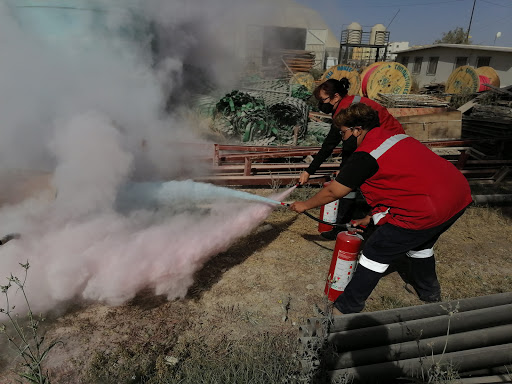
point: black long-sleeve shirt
(332, 139)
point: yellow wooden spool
(490, 73)
(338, 72)
(463, 79)
(388, 78)
(304, 78)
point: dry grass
(239, 322)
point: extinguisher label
(346, 255)
(330, 212)
(342, 274)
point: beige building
(435, 63)
(394, 47)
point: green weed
(27, 339)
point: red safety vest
(387, 121)
(414, 188)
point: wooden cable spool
(366, 70)
(388, 78)
(466, 79)
(304, 78)
(338, 72)
(490, 74)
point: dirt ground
(270, 281)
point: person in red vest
(333, 98)
(415, 196)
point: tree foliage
(455, 36)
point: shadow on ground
(213, 270)
(320, 241)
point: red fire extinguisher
(328, 213)
(343, 263)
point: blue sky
(421, 21)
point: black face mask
(350, 145)
(325, 107)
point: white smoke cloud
(88, 175)
(47, 76)
(88, 101)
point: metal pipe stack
(470, 336)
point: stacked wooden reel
(385, 77)
(379, 77)
(467, 79)
(340, 71)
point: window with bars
(432, 65)
(483, 61)
(404, 61)
(417, 65)
(461, 61)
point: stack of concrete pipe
(473, 336)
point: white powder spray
(172, 193)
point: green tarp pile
(264, 113)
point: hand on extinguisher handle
(357, 227)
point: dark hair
(358, 114)
(332, 87)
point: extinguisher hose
(348, 226)
(324, 222)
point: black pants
(388, 245)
